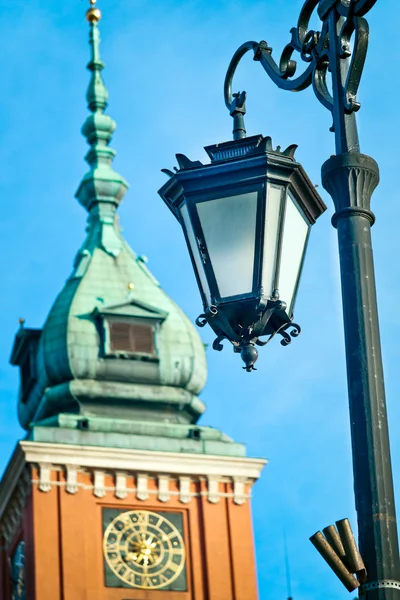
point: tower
(116, 492)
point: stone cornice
(141, 461)
(100, 461)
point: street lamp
(337, 51)
(246, 217)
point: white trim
(99, 489)
(50, 457)
(184, 490)
(239, 496)
(72, 479)
(142, 492)
(44, 476)
(213, 490)
(163, 488)
(134, 490)
(117, 459)
(120, 485)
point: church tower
(116, 493)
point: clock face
(144, 549)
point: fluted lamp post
(246, 218)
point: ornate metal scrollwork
(201, 320)
(244, 339)
(288, 335)
(329, 50)
(217, 343)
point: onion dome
(115, 348)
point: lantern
(246, 218)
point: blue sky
(165, 66)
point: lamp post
(254, 305)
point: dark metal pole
(350, 177)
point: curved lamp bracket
(236, 103)
(339, 48)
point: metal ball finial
(93, 14)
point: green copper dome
(114, 344)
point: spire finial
(97, 93)
(101, 186)
(93, 14)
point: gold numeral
(163, 579)
(114, 561)
(173, 566)
(143, 517)
(147, 581)
(130, 577)
(111, 547)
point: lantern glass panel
(195, 253)
(271, 238)
(229, 228)
(295, 233)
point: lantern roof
(246, 159)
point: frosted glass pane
(196, 254)
(293, 246)
(271, 231)
(229, 227)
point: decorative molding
(98, 484)
(72, 479)
(351, 179)
(163, 488)
(124, 465)
(120, 485)
(141, 487)
(239, 496)
(213, 490)
(184, 490)
(11, 519)
(213, 494)
(44, 477)
(118, 459)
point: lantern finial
(249, 355)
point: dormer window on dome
(135, 338)
(129, 330)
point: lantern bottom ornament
(272, 320)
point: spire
(101, 189)
(97, 93)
